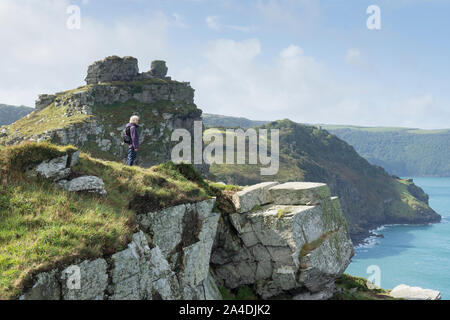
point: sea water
(412, 255)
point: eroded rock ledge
(293, 243)
(168, 259)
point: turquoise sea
(413, 255)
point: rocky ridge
(93, 117)
(150, 268)
(187, 251)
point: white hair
(134, 119)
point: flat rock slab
(85, 183)
(414, 293)
(300, 193)
(54, 169)
(251, 197)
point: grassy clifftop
(43, 226)
(369, 196)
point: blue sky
(311, 61)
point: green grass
(355, 288)
(241, 293)
(43, 227)
(283, 211)
(17, 158)
(47, 119)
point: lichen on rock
(302, 250)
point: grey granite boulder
(403, 291)
(46, 287)
(43, 101)
(283, 247)
(304, 193)
(86, 183)
(158, 69)
(54, 169)
(183, 237)
(131, 272)
(85, 281)
(111, 69)
(253, 196)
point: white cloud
(40, 55)
(212, 22)
(233, 80)
(179, 21)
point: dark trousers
(131, 156)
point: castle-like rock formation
(93, 117)
(115, 68)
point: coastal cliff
(369, 196)
(158, 233)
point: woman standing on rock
(132, 138)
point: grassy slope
(369, 196)
(42, 226)
(48, 119)
(214, 120)
(401, 151)
(355, 288)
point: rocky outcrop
(158, 69)
(86, 183)
(414, 293)
(115, 68)
(59, 170)
(93, 117)
(168, 259)
(292, 244)
(44, 100)
(295, 246)
(112, 69)
(54, 169)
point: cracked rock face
(150, 268)
(289, 250)
(297, 243)
(113, 69)
(158, 69)
(185, 235)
